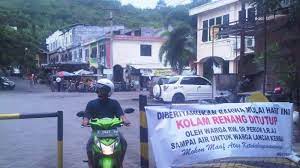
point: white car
(183, 88)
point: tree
(160, 4)
(17, 48)
(284, 52)
(199, 2)
(179, 48)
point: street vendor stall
(140, 75)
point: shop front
(140, 76)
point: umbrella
(64, 73)
(83, 72)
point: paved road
(32, 143)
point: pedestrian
(31, 80)
(58, 83)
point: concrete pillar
(232, 67)
(200, 69)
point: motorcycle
(6, 84)
(106, 148)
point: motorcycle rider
(104, 107)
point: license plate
(107, 133)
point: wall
(53, 40)
(223, 47)
(128, 52)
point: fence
(59, 116)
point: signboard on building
(163, 72)
(108, 71)
(186, 134)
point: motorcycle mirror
(80, 114)
(129, 110)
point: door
(189, 88)
(204, 88)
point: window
(211, 23)
(225, 23)
(102, 53)
(219, 20)
(173, 80)
(145, 50)
(188, 81)
(207, 24)
(205, 31)
(102, 50)
(251, 15)
(201, 81)
(87, 54)
(94, 52)
(70, 56)
(75, 54)
(80, 53)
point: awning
(218, 60)
(83, 72)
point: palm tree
(179, 48)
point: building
(127, 54)
(219, 53)
(64, 45)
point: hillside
(41, 17)
(37, 19)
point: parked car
(155, 83)
(184, 88)
(5, 83)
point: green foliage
(13, 45)
(179, 48)
(284, 65)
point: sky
(152, 3)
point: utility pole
(242, 24)
(212, 58)
(110, 20)
(265, 51)
(111, 35)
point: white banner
(185, 134)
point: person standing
(31, 80)
(58, 83)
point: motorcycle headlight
(107, 150)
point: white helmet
(106, 82)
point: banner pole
(144, 153)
